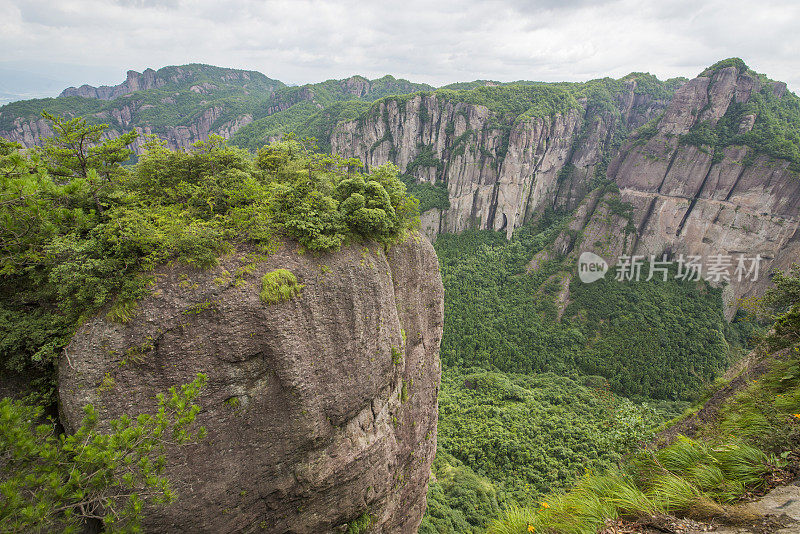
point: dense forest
(657, 339)
(747, 448)
(535, 391)
(508, 438)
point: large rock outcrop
(498, 176)
(688, 200)
(320, 410)
(123, 118)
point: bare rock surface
(495, 179)
(687, 200)
(781, 500)
(319, 410)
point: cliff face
(689, 200)
(498, 176)
(123, 118)
(320, 410)
(685, 199)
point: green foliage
(55, 482)
(730, 62)
(766, 412)
(516, 101)
(688, 477)
(780, 305)
(255, 135)
(304, 119)
(695, 478)
(529, 434)
(80, 232)
(648, 130)
(70, 106)
(314, 110)
(459, 501)
(775, 133)
(220, 96)
(278, 286)
(655, 339)
(647, 84)
(321, 208)
(430, 196)
(426, 157)
(360, 525)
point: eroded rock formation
(497, 178)
(685, 199)
(320, 410)
(688, 200)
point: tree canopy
(81, 231)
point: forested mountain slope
(712, 170)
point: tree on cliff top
(80, 231)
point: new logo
(591, 267)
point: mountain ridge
(499, 156)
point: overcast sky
(69, 42)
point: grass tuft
(688, 477)
(278, 286)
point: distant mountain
(185, 104)
(198, 78)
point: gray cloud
(301, 41)
(171, 4)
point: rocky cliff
(680, 190)
(499, 170)
(320, 410)
(698, 200)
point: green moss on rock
(278, 286)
